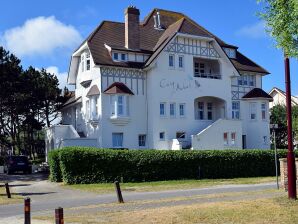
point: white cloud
(62, 76)
(256, 31)
(40, 36)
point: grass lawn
(5, 201)
(277, 210)
(167, 185)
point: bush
(92, 165)
(54, 164)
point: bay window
(119, 106)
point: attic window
(230, 52)
(85, 61)
(117, 56)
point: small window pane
(115, 56)
(162, 109)
(172, 109)
(123, 57)
(162, 136)
(117, 139)
(171, 60)
(225, 136)
(182, 110)
(181, 62)
(142, 140)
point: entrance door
(244, 141)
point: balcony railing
(207, 75)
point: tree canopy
(281, 17)
(29, 100)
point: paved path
(46, 196)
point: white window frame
(183, 106)
(142, 140)
(263, 111)
(173, 61)
(201, 111)
(236, 110)
(172, 110)
(164, 109)
(120, 141)
(164, 136)
(253, 111)
(209, 111)
(114, 99)
(82, 62)
(114, 56)
(88, 61)
(181, 63)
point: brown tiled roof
(93, 91)
(153, 40)
(118, 87)
(242, 63)
(257, 93)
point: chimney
(132, 30)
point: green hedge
(54, 164)
(91, 165)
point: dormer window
(119, 56)
(230, 52)
(85, 61)
(115, 56)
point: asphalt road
(46, 196)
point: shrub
(54, 164)
(92, 165)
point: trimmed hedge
(92, 165)
(54, 164)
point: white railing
(207, 75)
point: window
(162, 109)
(87, 109)
(172, 109)
(253, 113)
(182, 110)
(251, 80)
(239, 81)
(263, 108)
(123, 57)
(209, 111)
(233, 138)
(181, 61)
(225, 137)
(245, 80)
(171, 61)
(142, 140)
(115, 56)
(235, 110)
(88, 61)
(119, 105)
(230, 52)
(82, 62)
(162, 136)
(180, 135)
(117, 140)
(201, 110)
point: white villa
(279, 98)
(162, 83)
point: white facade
(279, 98)
(190, 98)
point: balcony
(206, 68)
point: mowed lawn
(3, 197)
(102, 188)
(277, 210)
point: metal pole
(118, 192)
(292, 194)
(276, 168)
(27, 218)
(7, 190)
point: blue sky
(44, 33)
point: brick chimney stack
(132, 29)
